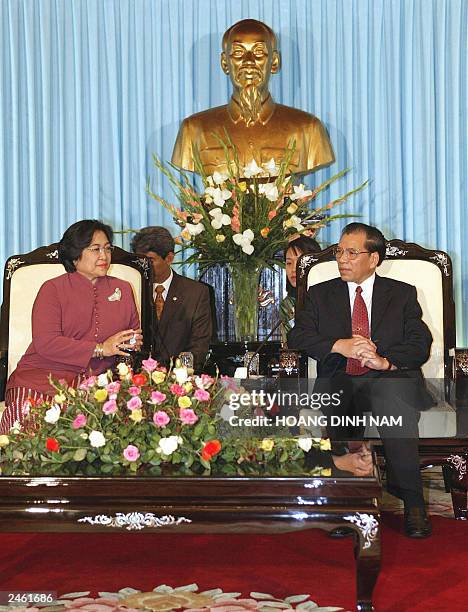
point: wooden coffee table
(202, 504)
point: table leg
(367, 555)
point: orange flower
(271, 214)
(211, 449)
(264, 232)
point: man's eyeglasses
(95, 250)
(352, 254)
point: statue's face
(249, 57)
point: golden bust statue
(259, 127)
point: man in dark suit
(183, 315)
(369, 340)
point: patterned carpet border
(165, 599)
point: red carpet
(419, 576)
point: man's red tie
(360, 325)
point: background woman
(81, 320)
(297, 247)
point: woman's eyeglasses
(96, 250)
(352, 254)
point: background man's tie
(360, 325)
(159, 301)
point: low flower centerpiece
(242, 218)
(142, 422)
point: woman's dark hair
(302, 245)
(77, 237)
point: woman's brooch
(115, 297)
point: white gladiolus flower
(244, 241)
(271, 167)
(97, 439)
(219, 219)
(168, 445)
(305, 444)
(194, 228)
(219, 195)
(252, 169)
(270, 191)
(295, 220)
(53, 414)
(300, 192)
(220, 177)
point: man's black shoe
(341, 532)
(417, 523)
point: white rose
(305, 444)
(122, 369)
(102, 380)
(181, 374)
(53, 414)
(97, 439)
(168, 445)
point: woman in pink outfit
(81, 321)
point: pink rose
(149, 364)
(204, 381)
(80, 421)
(134, 390)
(113, 387)
(110, 407)
(134, 403)
(88, 383)
(131, 453)
(157, 397)
(177, 390)
(161, 418)
(201, 395)
(188, 416)
(229, 383)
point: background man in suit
(370, 342)
(183, 317)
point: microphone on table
(262, 344)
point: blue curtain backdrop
(90, 88)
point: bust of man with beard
(260, 128)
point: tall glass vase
(245, 301)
